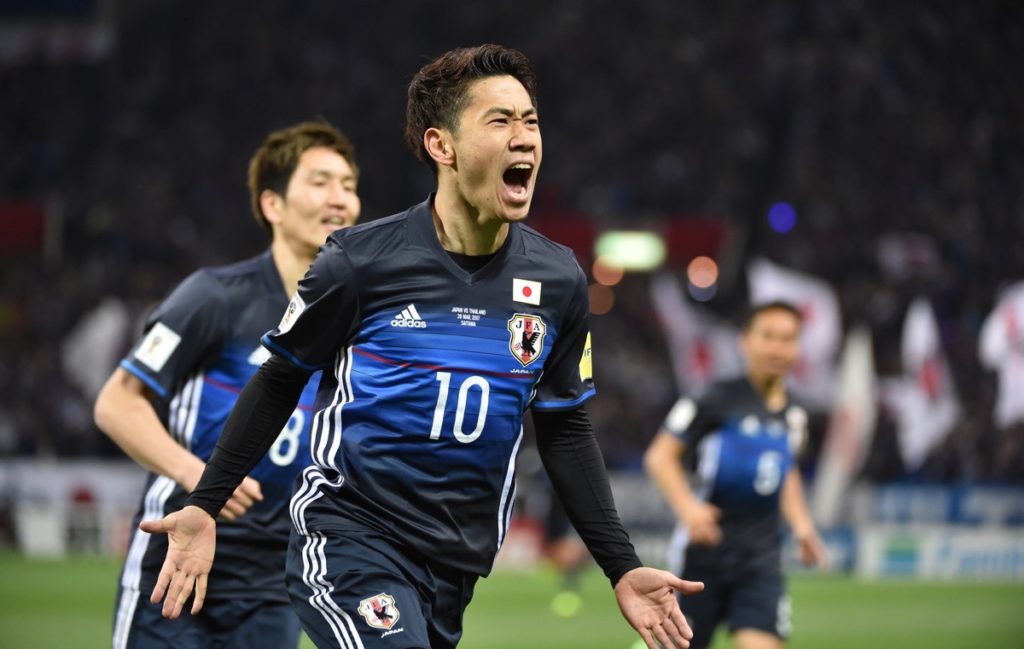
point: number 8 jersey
(200, 348)
(428, 371)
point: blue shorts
(259, 624)
(747, 594)
(358, 590)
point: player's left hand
(812, 550)
(647, 599)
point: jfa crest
(379, 611)
(526, 337)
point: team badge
(379, 611)
(526, 337)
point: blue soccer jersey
(200, 348)
(743, 454)
(428, 372)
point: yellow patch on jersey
(586, 364)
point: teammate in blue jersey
(166, 404)
(744, 435)
(436, 329)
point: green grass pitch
(68, 603)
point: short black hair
(759, 308)
(438, 93)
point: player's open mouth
(333, 221)
(517, 180)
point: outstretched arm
(262, 409)
(573, 460)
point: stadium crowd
(874, 122)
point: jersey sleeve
(568, 377)
(690, 420)
(179, 333)
(323, 314)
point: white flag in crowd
(850, 429)
(812, 377)
(704, 349)
(1001, 347)
(928, 406)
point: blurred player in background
(437, 328)
(166, 404)
(745, 433)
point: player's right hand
(245, 496)
(702, 523)
(191, 543)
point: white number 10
(445, 379)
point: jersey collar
(421, 232)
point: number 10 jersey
(428, 371)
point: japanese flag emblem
(526, 291)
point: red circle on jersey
(527, 291)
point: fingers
(715, 512)
(162, 580)
(679, 621)
(664, 639)
(648, 638)
(232, 510)
(160, 526)
(245, 496)
(252, 489)
(172, 608)
(683, 586)
(197, 605)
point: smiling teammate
(167, 402)
(436, 328)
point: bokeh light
(702, 294)
(608, 271)
(602, 299)
(782, 217)
(702, 272)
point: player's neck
(291, 266)
(463, 228)
(771, 388)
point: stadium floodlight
(633, 250)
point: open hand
(647, 599)
(191, 542)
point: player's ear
(438, 143)
(270, 203)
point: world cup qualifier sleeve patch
(157, 347)
(291, 314)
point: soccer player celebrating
(746, 432)
(166, 404)
(436, 328)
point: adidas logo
(409, 317)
